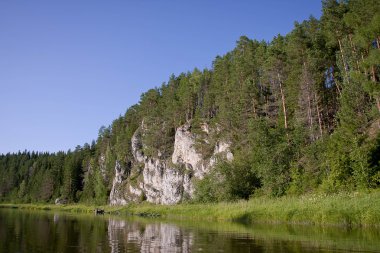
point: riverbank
(348, 209)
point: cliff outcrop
(165, 181)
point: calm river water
(45, 231)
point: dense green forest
(302, 113)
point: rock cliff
(165, 181)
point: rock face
(165, 181)
(116, 190)
(185, 153)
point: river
(45, 231)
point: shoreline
(356, 209)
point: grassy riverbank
(353, 209)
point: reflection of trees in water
(25, 231)
(155, 237)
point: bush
(228, 181)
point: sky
(69, 67)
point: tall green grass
(347, 209)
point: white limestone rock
(117, 194)
(166, 181)
(185, 152)
(221, 151)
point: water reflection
(56, 218)
(154, 237)
(26, 231)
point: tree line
(301, 112)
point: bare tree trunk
(308, 92)
(377, 97)
(283, 101)
(254, 109)
(338, 88)
(344, 62)
(373, 73)
(373, 76)
(342, 55)
(353, 51)
(310, 116)
(319, 115)
(188, 112)
(365, 70)
(378, 103)
(266, 101)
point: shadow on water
(39, 231)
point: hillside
(296, 115)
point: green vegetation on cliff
(301, 112)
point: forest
(302, 114)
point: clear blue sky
(69, 67)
